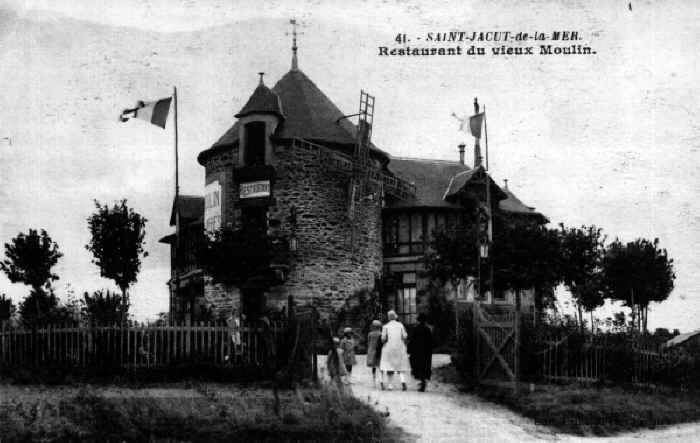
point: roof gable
(431, 178)
(263, 101)
(190, 208)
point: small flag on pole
(153, 112)
(475, 122)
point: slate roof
(190, 207)
(431, 178)
(680, 339)
(464, 178)
(263, 101)
(308, 114)
(513, 205)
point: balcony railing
(337, 161)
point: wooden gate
(301, 335)
(496, 343)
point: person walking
(374, 349)
(420, 348)
(394, 357)
(335, 365)
(347, 344)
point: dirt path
(443, 414)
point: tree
(7, 309)
(526, 255)
(233, 257)
(29, 259)
(103, 307)
(619, 321)
(248, 258)
(40, 308)
(638, 273)
(117, 245)
(582, 252)
(453, 256)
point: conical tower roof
(308, 114)
(263, 101)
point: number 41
(400, 38)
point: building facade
(288, 165)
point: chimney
(461, 152)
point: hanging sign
(255, 189)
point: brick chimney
(461, 152)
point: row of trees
(527, 254)
(117, 246)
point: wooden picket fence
(590, 361)
(137, 346)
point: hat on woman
(376, 324)
(347, 331)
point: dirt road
(443, 414)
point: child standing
(335, 364)
(347, 344)
(374, 349)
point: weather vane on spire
(261, 74)
(294, 23)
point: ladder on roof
(359, 183)
(364, 132)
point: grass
(590, 409)
(209, 412)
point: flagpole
(488, 205)
(486, 135)
(177, 175)
(177, 212)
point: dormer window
(254, 149)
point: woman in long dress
(420, 346)
(394, 356)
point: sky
(609, 139)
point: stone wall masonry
(326, 268)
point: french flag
(153, 112)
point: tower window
(254, 153)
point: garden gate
(496, 343)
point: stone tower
(286, 164)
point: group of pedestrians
(388, 350)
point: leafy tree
(453, 256)
(29, 259)
(103, 307)
(117, 244)
(619, 321)
(526, 254)
(441, 314)
(638, 273)
(39, 308)
(233, 257)
(582, 252)
(7, 309)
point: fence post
(477, 341)
(516, 345)
(314, 357)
